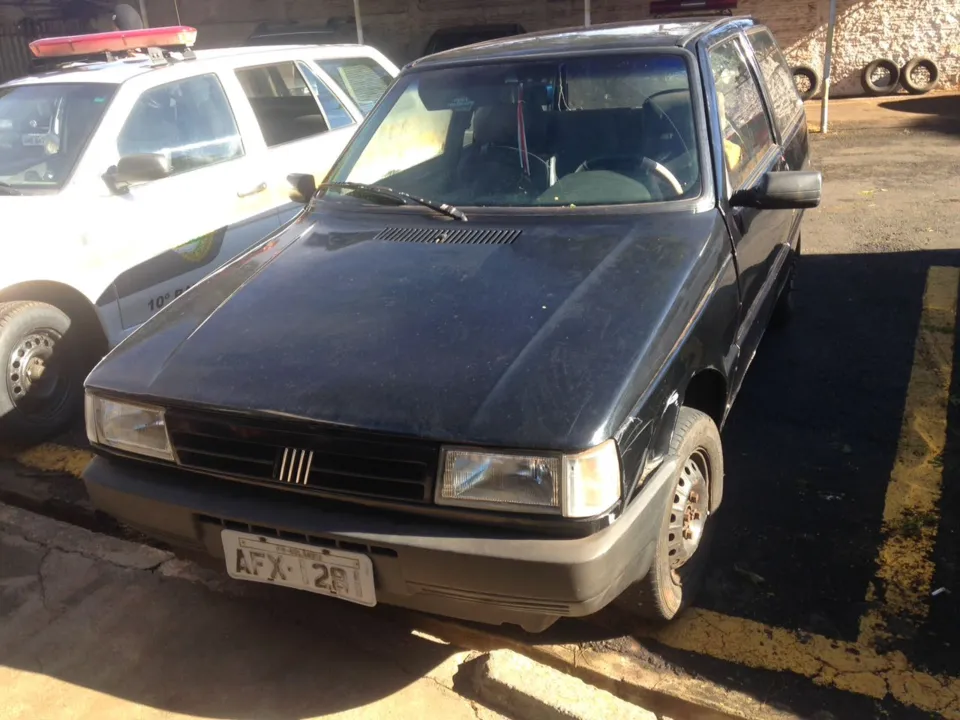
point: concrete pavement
(96, 627)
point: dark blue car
(483, 372)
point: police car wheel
(41, 389)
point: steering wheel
(516, 153)
(511, 155)
(630, 164)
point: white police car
(126, 176)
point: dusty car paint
(588, 324)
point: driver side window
(743, 119)
(188, 120)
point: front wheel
(683, 543)
(42, 381)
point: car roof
(456, 29)
(665, 32)
(119, 71)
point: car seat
(492, 164)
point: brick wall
(866, 29)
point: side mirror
(783, 190)
(140, 168)
(304, 187)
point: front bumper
(474, 573)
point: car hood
(545, 342)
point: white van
(125, 180)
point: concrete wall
(867, 29)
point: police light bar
(111, 42)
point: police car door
(168, 233)
(304, 124)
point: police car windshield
(44, 129)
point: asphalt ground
(834, 589)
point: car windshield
(44, 129)
(596, 130)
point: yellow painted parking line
(905, 564)
(843, 665)
(56, 458)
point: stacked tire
(882, 76)
(807, 81)
(919, 76)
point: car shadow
(177, 647)
(946, 106)
(810, 444)
(941, 113)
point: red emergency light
(114, 42)
(659, 7)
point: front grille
(440, 236)
(313, 459)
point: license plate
(335, 573)
(34, 140)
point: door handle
(258, 189)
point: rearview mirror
(782, 190)
(304, 187)
(132, 169)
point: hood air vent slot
(441, 236)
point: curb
(68, 538)
(527, 690)
(665, 696)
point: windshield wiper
(443, 208)
(7, 189)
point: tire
(126, 18)
(919, 87)
(41, 390)
(667, 588)
(806, 80)
(871, 86)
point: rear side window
(363, 79)
(336, 114)
(189, 120)
(281, 99)
(776, 73)
(743, 119)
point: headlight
(576, 486)
(132, 428)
